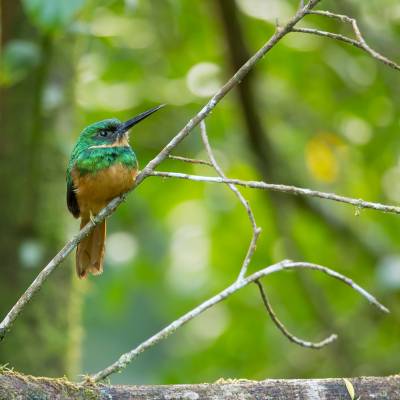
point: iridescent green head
(110, 131)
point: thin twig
(128, 357)
(358, 203)
(252, 247)
(190, 160)
(330, 35)
(360, 42)
(282, 328)
(340, 17)
(235, 190)
(240, 74)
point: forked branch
(358, 42)
(128, 357)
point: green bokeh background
(330, 114)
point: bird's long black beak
(131, 122)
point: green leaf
(51, 16)
(18, 59)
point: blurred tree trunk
(273, 169)
(44, 338)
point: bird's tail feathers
(90, 251)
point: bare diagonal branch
(240, 74)
(128, 357)
(232, 82)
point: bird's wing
(72, 201)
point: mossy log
(17, 386)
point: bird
(102, 166)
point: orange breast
(94, 191)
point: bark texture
(13, 386)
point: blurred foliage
(51, 16)
(332, 115)
(19, 57)
(44, 341)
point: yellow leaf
(322, 156)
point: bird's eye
(103, 133)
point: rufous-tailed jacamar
(102, 166)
